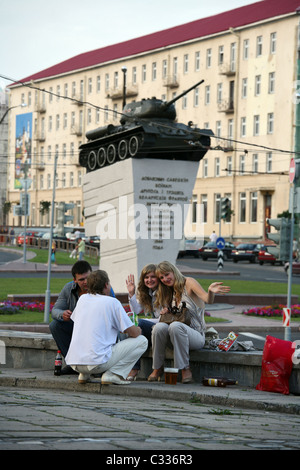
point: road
(33, 419)
(244, 270)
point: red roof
(238, 17)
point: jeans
(62, 334)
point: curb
(233, 397)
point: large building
(248, 60)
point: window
(271, 87)
(98, 81)
(270, 123)
(66, 89)
(175, 69)
(257, 85)
(65, 120)
(219, 92)
(243, 127)
(134, 75)
(164, 68)
(229, 166)
(208, 58)
(269, 162)
(97, 116)
(196, 97)
(63, 180)
(116, 80)
(194, 209)
(217, 166)
(197, 61)
(154, 71)
(144, 72)
(57, 122)
(273, 43)
(256, 125)
(106, 81)
(232, 57)
(259, 44)
(253, 207)
(184, 102)
(207, 94)
(205, 168)
(50, 94)
(218, 129)
(255, 163)
(185, 63)
(89, 116)
(242, 208)
(73, 89)
(217, 208)
(244, 87)
(81, 97)
(50, 123)
(242, 164)
(58, 92)
(71, 179)
(90, 85)
(49, 152)
(221, 55)
(246, 49)
(64, 150)
(204, 207)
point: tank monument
(138, 186)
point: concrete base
(25, 350)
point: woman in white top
(143, 301)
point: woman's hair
(96, 281)
(165, 293)
(142, 291)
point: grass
(62, 257)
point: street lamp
(12, 107)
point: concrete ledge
(235, 299)
(25, 350)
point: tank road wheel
(111, 154)
(101, 157)
(133, 145)
(122, 149)
(92, 160)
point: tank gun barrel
(166, 105)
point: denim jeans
(62, 334)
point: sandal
(186, 375)
(156, 375)
(132, 375)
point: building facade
(248, 60)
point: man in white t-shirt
(98, 318)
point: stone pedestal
(138, 208)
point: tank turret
(147, 130)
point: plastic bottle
(218, 381)
(58, 363)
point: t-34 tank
(147, 130)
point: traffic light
(282, 238)
(225, 209)
(62, 218)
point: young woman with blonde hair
(176, 288)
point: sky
(36, 34)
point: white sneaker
(110, 378)
(83, 378)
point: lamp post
(12, 107)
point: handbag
(174, 313)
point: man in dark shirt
(61, 326)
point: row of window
(63, 180)
(242, 208)
(251, 168)
(55, 93)
(38, 219)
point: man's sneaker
(110, 378)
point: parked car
(30, 240)
(245, 251)
(296, 267)
(210, 250)
(93, 241)
(266, 256)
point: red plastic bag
(276, 366)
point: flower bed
(272, 311)
(9, 308)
